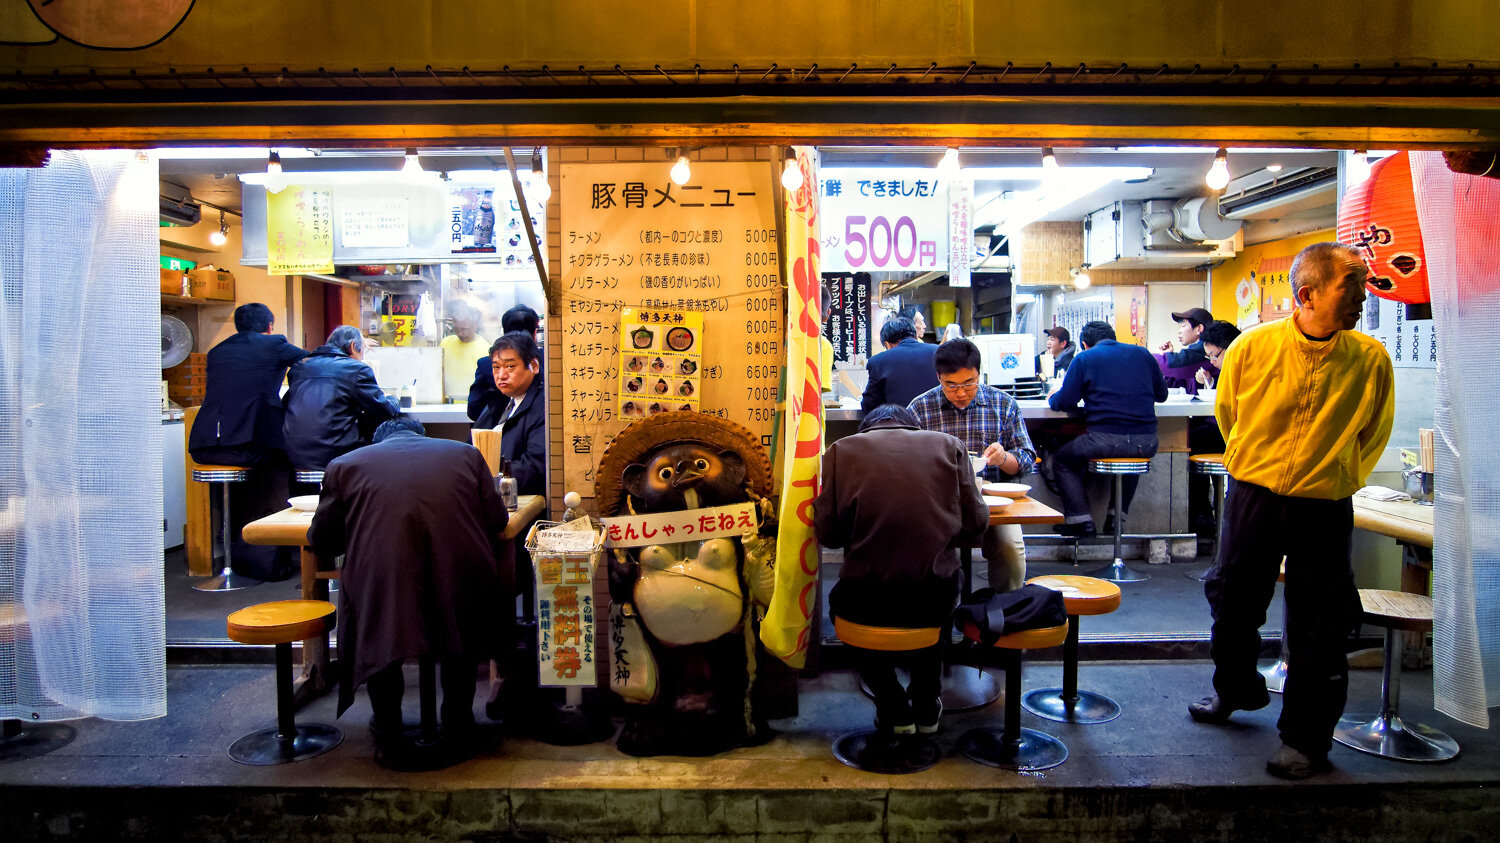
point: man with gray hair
(1305, 404)
(333, 404)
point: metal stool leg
(227, 579)
(1068, 704)
(1275, 674)
(1202, 576)
(1117, 571)
(1014, 747)
(1386, 734)
(287, 741)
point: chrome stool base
(1275, 675)
(266, 747)
(1089, 707)
(227, 581)
(1391, 737)
(875, 752)
(1119, 572)
(1030, 750)
(21, 740)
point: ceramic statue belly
(689, 600)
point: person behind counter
(482, 394)
(1119, 386)
(1217, 338)
(899, 539)
(1203, 431)
(419, 523)
(240, 424)
(988, 422)
(333, 404)
(919, 323)
(519, 414)
(901, 372)
(1180, 368)
(1059, 347)
(461, 349)
(1290, 488)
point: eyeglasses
(960, 387)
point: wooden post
(198, 538)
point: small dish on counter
(1006, 490)
(996, 502)
(303, 503)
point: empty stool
(1386, 734)
(1211, 466)
(281, 623)
(1119, 467)
(1276, 673)
(308, 475)
(871, 750)
(1013, 747)
(1081, 596)
(227, 579)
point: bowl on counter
(1006, 490)
(303, 503)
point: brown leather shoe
(1216, 710)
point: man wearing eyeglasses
(989, 423)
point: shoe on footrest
(929, 716)
(1081, 530)
(1216, 710)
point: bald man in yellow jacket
(1305, 405)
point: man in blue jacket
(1119, 386)
(901, 372)
(333, 404)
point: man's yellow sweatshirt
(1304, 418)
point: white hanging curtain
(82, 626)
(1460, 219)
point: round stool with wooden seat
(308, 475)
(1211, 466)
(1013, 747)
(1275, 674)
(280, 623)
(871, 750)
(1386, 734)
(1118, 467)
(227, 579)
(1068, 704)
(21, 739)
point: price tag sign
(883, 219)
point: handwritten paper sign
(375, 222)
(565, 620)
(299, 230)
(684, 526)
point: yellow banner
(299, 230)
(788, 623)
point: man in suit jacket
(901, 372)
(482, 393)
(333, 404)
(519, 414)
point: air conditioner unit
(1285, 194)
(1157, 233)
(178, 207)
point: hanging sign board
(299, 230)
(565, 619)
(659, 361)
(847, 322)
(960, 231)
(883, 219)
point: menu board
(1412, 343)
(299, 230)
(847, 322)
(633, 239)
(659, 361)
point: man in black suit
(901, 372)
(482, 394)
(240, 424)
(519, 413)
(333, 404)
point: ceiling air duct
(178, 207)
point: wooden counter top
(1025, 511)
(289, 526)
(1403, 521)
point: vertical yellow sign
(299, 230)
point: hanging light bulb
(948, 167)
(1273, 168)
(1081, 279)
(1359, 168)
(412, 167)
(791, 173)
(681, 171)
(275, 178)
(221, 236)
(1049, 160)
(539, 186)
(1218, 174)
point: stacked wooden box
(187, 380)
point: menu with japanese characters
(659, 361)
(299, 230)
(634, 242)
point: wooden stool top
(1120, 465)
(1082, 595)
(887, 638)
(1396, 609)
(1026, 639)
(281, 621)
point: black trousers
(892, 702)
(458, 677)
(1322, 605)
(1203, 438)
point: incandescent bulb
(412, 166)
(1218, 174)
(791, 175)
(1359, 168)
(218, 238)
(1082, 281)
(681, 172)
(948, 167)
(1049, 160)
(275, 178)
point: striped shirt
(991, 417)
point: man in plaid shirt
(989, 424)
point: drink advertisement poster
(660, 361)
(484, 220)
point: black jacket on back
(899, 374)
(240, 421)
(332, 407)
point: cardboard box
(173, 281)
(212, 283)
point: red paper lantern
(1379, 217)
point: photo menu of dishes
(638, 246)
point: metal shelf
(189, 301)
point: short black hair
(396, 425)
(520, 318)
(896, 329)
(889, 411)
(1220, 333)
(1096, 332)
(345, 338)
(954, 355)
(520, 342)
(253, 317)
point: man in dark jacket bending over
(332, 402)
(899, 536)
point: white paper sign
(883, 219)
(960, 231)
(373, 222)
